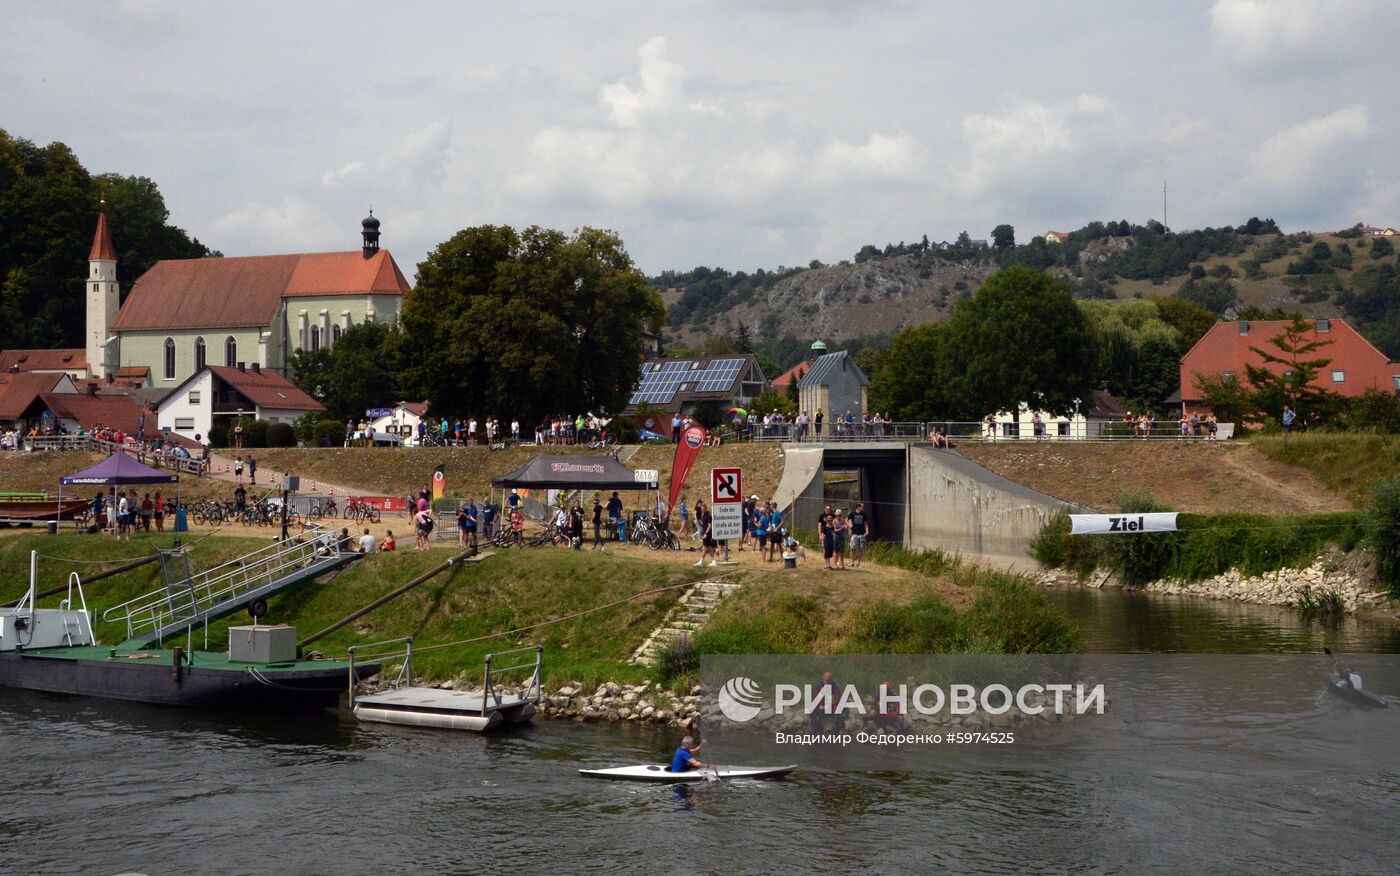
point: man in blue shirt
(488, 519)
(684, 758)
(775, 533)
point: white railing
(142, 453)
(192, 599)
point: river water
(108, 787)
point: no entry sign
(726, 485)
(726, 503)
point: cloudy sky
(741, 133)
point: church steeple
(102, 242)
(103, 301)
(369, 230)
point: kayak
(662, 774)
(1354, 696)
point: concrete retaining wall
(958, 506)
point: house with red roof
(21, 390)
(222, 394)
(1223, 352)
(793, 374)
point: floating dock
(487, 709)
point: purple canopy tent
(114, 471)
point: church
(184, 314)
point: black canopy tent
(571, 473)
(545, 472)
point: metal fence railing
(1000, 430)
(142, 452)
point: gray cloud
(722, 132)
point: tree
(1293, 384)
(1226, 396)
(526, 323)
(1020, 338)
(1187, 317)
(911, 381)
(1217, 296)
(354, 374)
(48, 209)
(792, 387)
(743, 342)
(1003, 237)
(769, 400)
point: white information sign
(645, 475)
(728, 522)
(1122, 524)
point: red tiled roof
(114, 411)
(1223, 349)
(417, 409)
(133, 371)
(267, 389)
(64, 359)
(245, 292)
(102, 241)
(18, 391)
(781, 382)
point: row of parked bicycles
(265, 512)
(641, 532)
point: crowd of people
(127, 514)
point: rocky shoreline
(1285, 587)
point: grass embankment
(509, 590)
(944, 606)
(1348, 463)
(1201, 477)
(905, 603)
(393, 471)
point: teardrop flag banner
(687, 450)
(439, 481)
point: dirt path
(1299, 491)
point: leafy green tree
(1003, 237)
(1216, 296)
(772, 401)
(1375, 410)
(526, 323)
(1294, 382)
(1382, 248)
(910, 381)
(1020, 337)
(354, 374)
(1190, 320)
(48, 209)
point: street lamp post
(1083, 433)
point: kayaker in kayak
(684, 758)
(1346, 677)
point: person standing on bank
(708, 545)
(838, 539)
(598, 525)
(860, 534)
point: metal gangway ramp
(190, 599)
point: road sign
(645, 475)
(727, 522)
(726, 486)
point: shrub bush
(1385, 532)
(281, 435)
(1054, 548)
(328, 433)
(1138, 559)
(1014, 618)
(255, 433)
(218, 435)
(790, 625)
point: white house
(402, 419)
(218, 393)
(1087, 421)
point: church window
(230, 352)
(199, 354)
(315, 338)
(169, 358)
(335, 333)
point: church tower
(369, 230)
(103, 300)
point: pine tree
(1294, 386)
(743, 343)
(792, 385)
